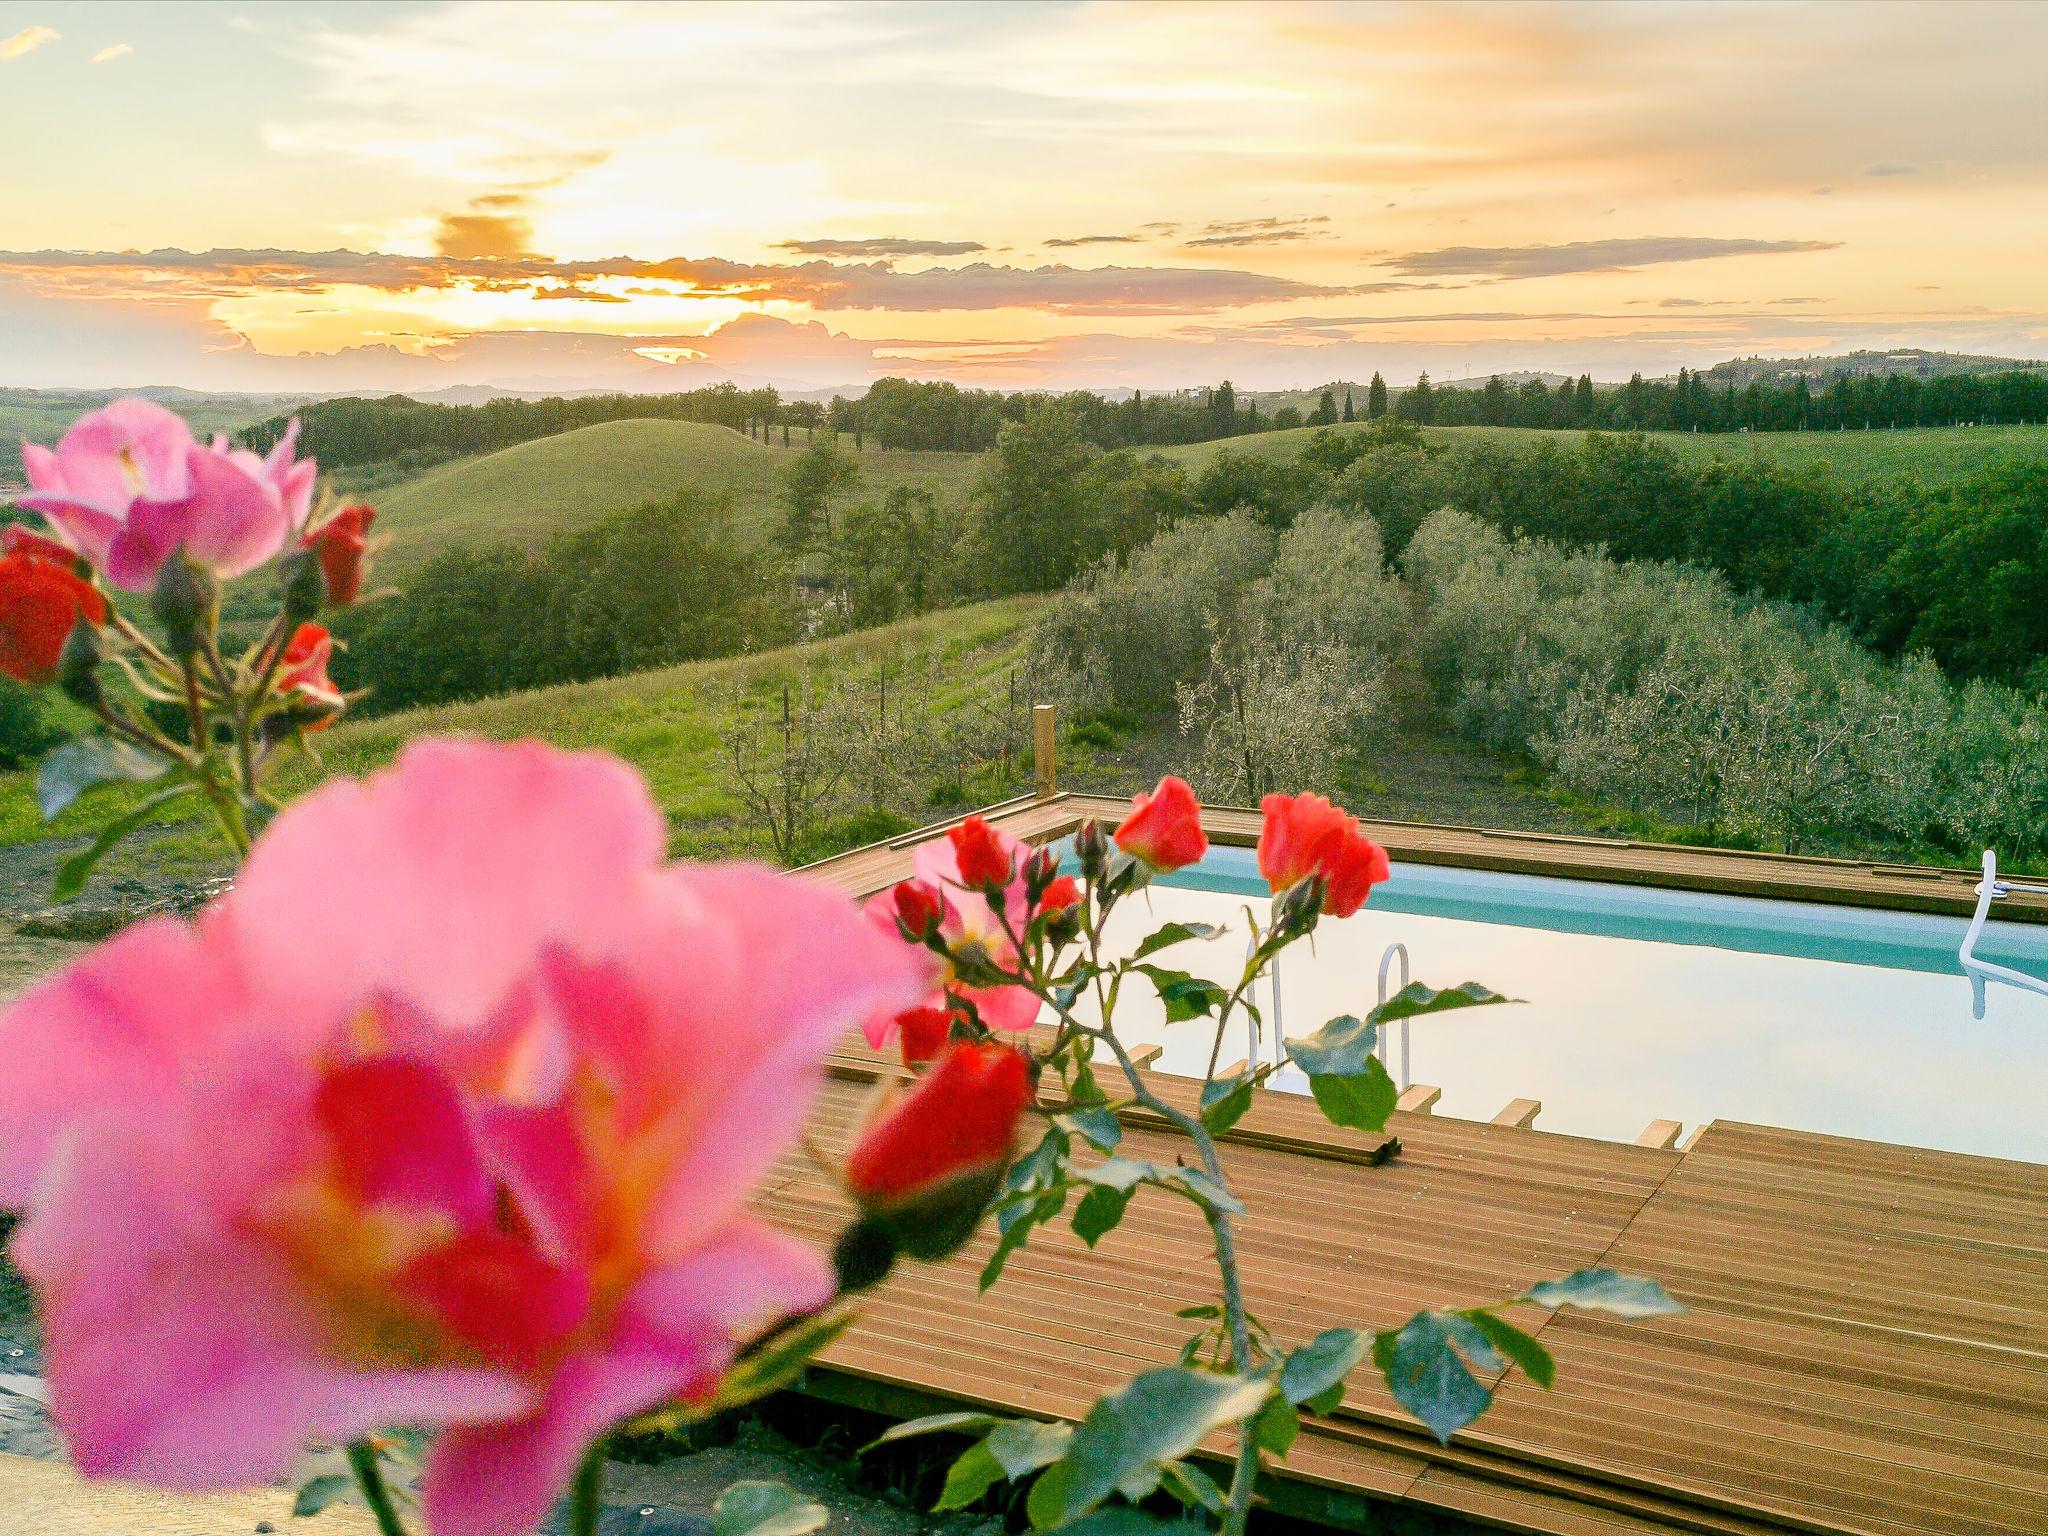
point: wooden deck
(1865, 1350)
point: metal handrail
(1989, 889)
(1383, 1048)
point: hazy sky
(386, 194)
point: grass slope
(1934, 455)
(666, 723)
(533, 490)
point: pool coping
(1578, 856)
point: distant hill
(1909, 361)
(529, 492)
(42, 415)
(1933, 455)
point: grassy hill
(666, 723)
(1933, 454)
(529, 492)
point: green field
(1933, 455)
(666, 723)
(41, 415)
(529, 492)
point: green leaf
(1200, 1309)
(1158, 1416)
(1185, 997)
(321, 1491)
(1427, 1377)
(1415, 999)
(1099, 1212)
(1015, 1223)
(1605, 1290)
(86, 761)
(1322, 1363)
(1174, 933)
(72, 873)
(1522, 1348)
(1191, 1485)
(972, 1475)
(1225, 1100)
(1276, 1426)
(1095, 1124)
(933, 1424)
(1022, 1446)
(1046, 1505)
(765, 1509)
(1341, 1048)
(1361, 1102)
(1204, 1190)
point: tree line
(936, 416)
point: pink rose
(448, 1114)
(127, 487)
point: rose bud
(1165, 827)
(929, 1163)
(342, 545)
(920, 909)
(1091, 848)
(1040, 866)
(923, 1033)
(985, 864)
(1060, 895)
(1305, 835)
(41, 602)
(303, 679)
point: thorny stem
(1237, 1503)
(362, 1460)
(586, 1493)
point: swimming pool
(1645, 1003)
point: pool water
(1644, 1004)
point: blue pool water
(1645, 1004)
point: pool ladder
(1989, 889)
(1382, 1048)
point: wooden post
(1042, 751)
(1660, 1133)
(1520, 1113)
(1419, 1099)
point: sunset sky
(549, 195)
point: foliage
(638, 589)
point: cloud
(821, 285)
(882, 246)
(492, 235)
(1513, 261)
(27, 40)
(1261, 237)
(113, 51)
(1891, 168)
(1059, 241)
(1264, 231)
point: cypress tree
(1376, 396)
(1349, 413)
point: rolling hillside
(1933, 454)
(529, 492)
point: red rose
(979, 854)
(1165, 827)
(1306, 835)
(957, 1124)
(1060, 895)
(923, 1033)
(18, 540)
(303, 675)
(342, 544)
(41, 600)
(919, 908)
